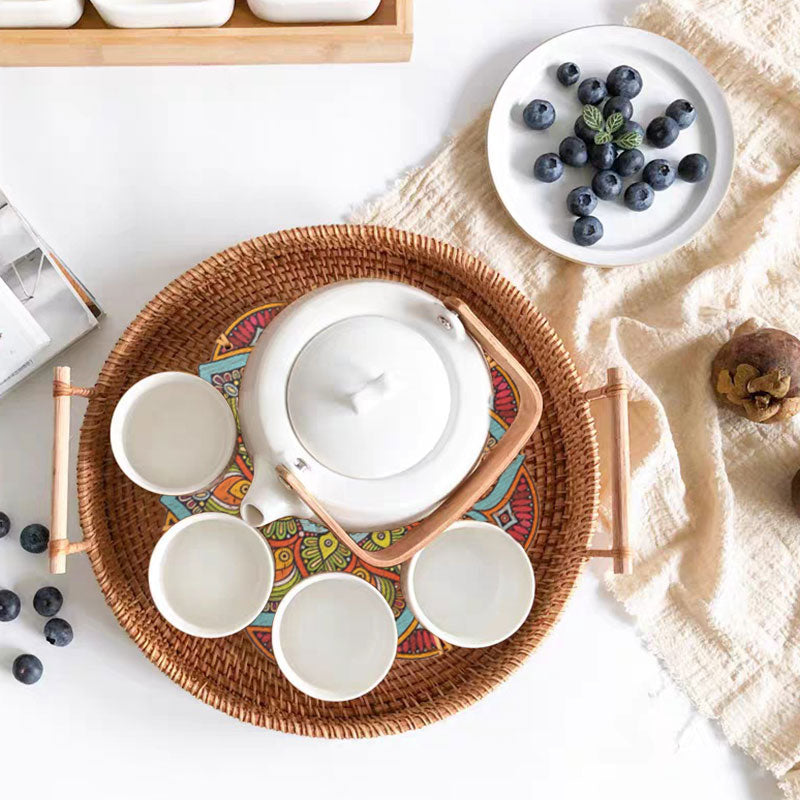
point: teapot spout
(268, 499)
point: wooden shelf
(386, 36)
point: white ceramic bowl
(211, 575)
(334, 636)
(164, 13)
(668, 73)
(40, 14)
(313, 10)
(173, 433)
(473, 586)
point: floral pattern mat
(301, 547)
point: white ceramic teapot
(365, 405)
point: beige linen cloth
(716, 584)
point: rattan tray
(179, 328)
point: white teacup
(473, 586)
(173, 433)
(334, 636)
(211, 574)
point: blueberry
(568, 73)
(633, 127)
(5, 524)
(9, 605)
(583, 131)
(592, 91)
(624, 81)
(587, 230)
(539, 114)
(693, 168)
(548, 168)
(662, 131)
(683, 112)
(639, 196)
(47, 601)
(34, 538)
(660, 174)
(628, 162)
(602, 155)
(27, 669)
(607, 184)
(581, 201)
(58, 632)
(619, 105)
(572, 151)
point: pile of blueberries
(47, 602)
(608, 138)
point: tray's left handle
(60, 545)
(616, 391)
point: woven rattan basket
(177, 330)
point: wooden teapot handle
(475, 485)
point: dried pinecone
(758, 373)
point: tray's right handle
(60, 545)
(616, 390)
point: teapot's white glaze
(373, 394)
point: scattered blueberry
(624, 81)
(592, 91)
(5, 524)
(633, 127)
(9, 605)
(27, 669)
(573, 152)
(539, 114)
(662, 131)
(58, 632)
(617, 104)
(639, 196)
(583, 131)
(693, 168)
(683, 112)
(34, 538)
(581, 201)
(602, 156)
(568, 73)
(628, 162)
(548, 168)
(47, 601)
(660, 174)
(607, 184)
(587, 230)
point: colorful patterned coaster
(302, 548)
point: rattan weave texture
(177, 330)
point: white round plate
(668, 73)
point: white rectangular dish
(164, 13)
(313, 10)
(40, 13)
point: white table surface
(135, 174)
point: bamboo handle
(475, 485)
(616, 390)
(60, 546)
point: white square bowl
(164, 13)
(40, 13)
(313, 10)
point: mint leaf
(602, 137)
(615, 122)
(593, 118)
(629, 141)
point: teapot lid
(369, 397)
